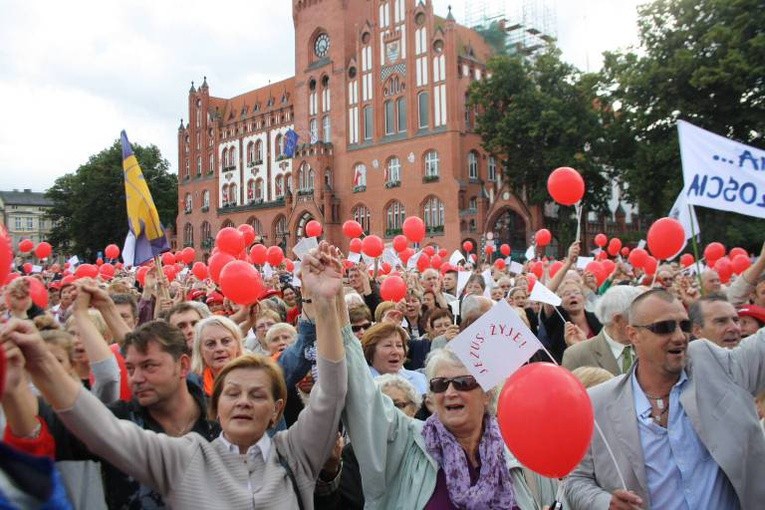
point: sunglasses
(358, 327)
(666, 327)
(461, 383)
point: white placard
(515, 267)
(542, 294)
(530, 252)
(641, 244)
(304, 246)
(462, 279)
(683, 212)
(456, 257)
(581, 262)
(495, 345)
(354, 257)
(455, 306)
(412, 262)
(268, 271)
(37, 269)
(488, 279)
(389, 255)
(73, 261)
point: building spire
(192, 89)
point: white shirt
(262, 447)
(616, 348)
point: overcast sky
(75, 73)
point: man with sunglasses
(681, 425)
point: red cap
(753, 311)
(195, 294)
(214, 297)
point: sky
(74, 74)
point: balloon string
(578, 208)
(600, 433)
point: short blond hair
(592, 376)
(98, 321)
(197, 361)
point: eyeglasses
(358, 327)
(666, 327)
(461, 383)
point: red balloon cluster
(107, 271)
(724, 269)
(355, 245)
(400, 242)
(86, 271)
(505, 250)
(274, 256)
(565, 185)
(614, 246)
(429, 251)
(740, 263)
(500, 264)
(713, 252)
(168, 258)
(686, 259)
(217, 262)
(637, 257)
(187, 255)
(538, 402)
(258, 254)
(199, 269)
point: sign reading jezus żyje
(721, 173)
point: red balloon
(713, 252)
(140, 275)
(313, 228)
(107, 271)
(289, 265)
(86, 271)
(602, 255)
(614, 246)
(686, 259)
(274, 256)
(625, 251)
(488, 249)
(43, 250)
(241, 283)
(423, 262)
(650, 265)
(248, 233)
(724, 268)
(608, 266)
(532, 279)
(666, 238)
(38, 292)
(443, 253)
(436, 261)
(26, 245)
(500, 264)
(429, 251)
(355, 245)
(596, 268)
(405, 255)
(385, 268)
(6, 255)
(737, 251)
(538, 402)
(216, 264)
(112, 251)
(414, 229)
(740, 263)
(258, 254)
(467, 246)
(99, 262)
(352, 229)
(505, 250)
(537, 268)
(200, 270)
(372, 246)
(565, 185)
(170, 272)
(400, 242)
(188, 255)
(393, 288)
(601, 240)
(543, 237)
(168, 258)
(637, 257)
(555, 267)
(230, 240)
(27, 267)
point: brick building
(378, 100)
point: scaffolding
(530, 25)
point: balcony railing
(435, 230)
(390, 232)
(430, 178)
(393, 184)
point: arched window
(328, 178)
(313, 129)
(232, 156)
(393, 170)
(359, 175)
(259, 189)
(491, 169)
(305, 178)
(250, 152)
(279, 186)
(206, 232)
(251, 190)
(279, 145)
(401, 112)
(472, 162)
(431, 164)
(199, 165)
(255, 224)
(390, 118)
(188, 235)
(423, 112)
(233, 197)
(224, 195)
(395, 215)
(224, 158)
(227, 223)
(288, 182)
(258, 151)
(361, 214)
(326, 129)
(187, 202)
(206, 198)
(211, 163)
(433, 213)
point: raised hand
(25, 336)
(322, 272)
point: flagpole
(695, 246)
(578, 208)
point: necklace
(659, 400)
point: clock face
(321, 46)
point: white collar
(263, 446)
(616, 347)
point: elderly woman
(456, 459)
(243, 467)
(217, 340)
(385, 349)
(280, 336)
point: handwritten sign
(721, 173)
(495, 346)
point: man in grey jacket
(681, 423)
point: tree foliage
(536, 116)
(699, 60)
(89, 210)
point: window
(395, 216)
(473, 203)
(362, 216)
(188, 202)
(431, 164)
(313, 128)
(255, 224)
(30, 223)
(251, 190)
(18, 223)
(328, 178)
(258, 151)
(278, 145)
(232, 194)
(472, 165)
(259, 189)
(368, 123)
(390, 118)
(281, 226)
(423, 113)
(187, 168)
(224, 158)
(359, 175)
(288, 182)
(279, 186)
(250, 152)
(433, 213)
(305, 178)
(232, 156)
(393, 170)
(199, 165)
(206, 232)
(326, 129)
(188, 235)
(492, 169)
(211, 163)
(205, 198)
(401, 107)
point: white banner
(304, 246)
(456, 258)
(495, 346)
(721, 173)
(683, 212)
(542, 294)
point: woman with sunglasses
(455, 459)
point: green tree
(536, 116)
(89, 210)
(495, 36)
(699, 60)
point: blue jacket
(33, 475)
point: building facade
(379, 102)
(23, 214)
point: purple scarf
(494, 488)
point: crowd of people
(128, 394)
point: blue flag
(143, 218)
(290, 143)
